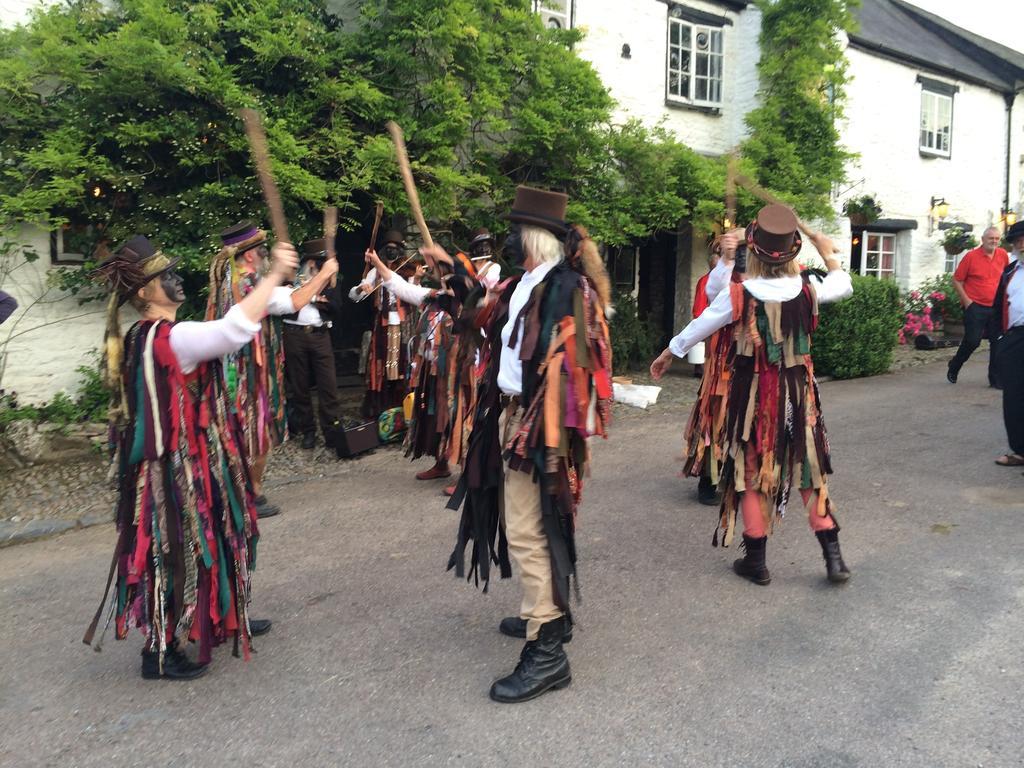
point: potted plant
(862, 210)
(956, 240)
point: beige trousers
(527, 542)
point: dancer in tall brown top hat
(774, 427)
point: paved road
(379, 658)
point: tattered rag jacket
(566, 398)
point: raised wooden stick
(763, 194)
(330, 232)
(377, 216)
(402, 156)
(261, 159)
(730, 193)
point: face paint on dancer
(173, 286)
(513, 250)
(391, 252)
(482, 250)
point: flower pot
(953, 248)
(952, 328)
(858, 219)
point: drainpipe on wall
(1009, 98)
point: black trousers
(976, 319)
(308, 350)
(1010, 365)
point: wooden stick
(378, 215)
(763, 194)
(330, 232)
(261, 159)
(410, 185)
(730, 192)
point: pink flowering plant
(927, 308)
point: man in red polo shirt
(976, 280)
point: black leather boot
(259, 626)
(177, 666)
(707, 493)
(751, 566)
(513, 626)
(834, 565)
(542, 666)
(264, 508)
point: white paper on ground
(636, 395)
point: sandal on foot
(1010, 460)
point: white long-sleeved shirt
(406, 291)
(1015, 294)
(834, 286)
(196, 342)
(510, 368)
(368, 283)
(280, 302)
(718, 279)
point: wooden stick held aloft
(410, 185)
(261, 159)
(330, 233)
(377, 216)
(763, 194)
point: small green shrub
(634, 340)
(88, 404)
(856, 337)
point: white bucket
(696, 355)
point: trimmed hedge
(857, 336)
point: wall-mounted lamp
(939, 210)
(1008, 219)
(627, 52)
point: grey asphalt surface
(380, 658)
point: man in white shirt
(1007, 327)
(307, 345)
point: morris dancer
(387, 366)
(1006, 329)
(774, 424)
(546, 362)
(429, 369)
(186, 520)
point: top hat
(482, 235)
(393, 236)
(540, 208)
(1017, 230)
(132, 265)
(773, 236)
(243, 236)
(315, 250)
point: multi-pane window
(557, 14)
(878, 255)
(952, 262)
(695, 62)
(936, 123)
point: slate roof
(896, 29)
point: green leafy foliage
(794, 144)
(634, 340)
(857, 336)
(949, 305)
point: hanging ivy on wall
(795, 145)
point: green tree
(794, 144)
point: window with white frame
(952, 262)
(557, 14)
(878, 254)
(936, 123)
(695, 61)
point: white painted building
(935, 113)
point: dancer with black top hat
(545, 387)
(186, 517)
(387, 364)
(308, 347)
(774, 428)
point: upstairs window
(557, 14)
(695, 61)
(936, 137)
